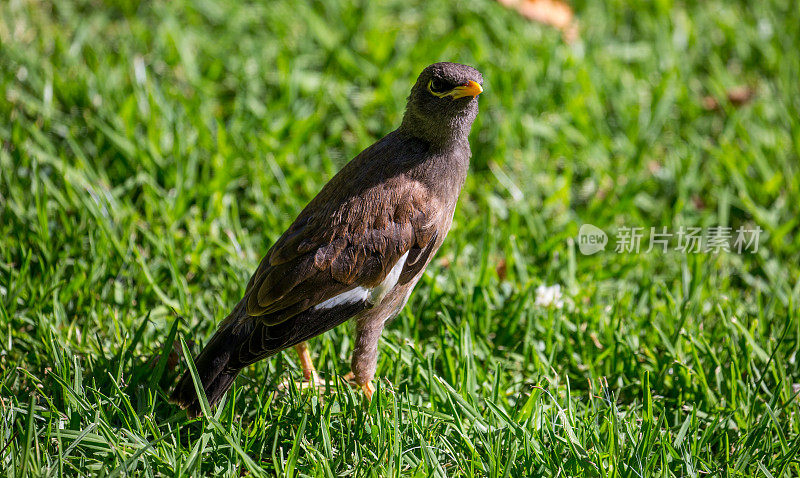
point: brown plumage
(359, 247)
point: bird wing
(341, 252)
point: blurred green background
(152, 151)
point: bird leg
(311, 378)
(365, 355)
(309, 372)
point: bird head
(443, 102)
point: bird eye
(437, 86)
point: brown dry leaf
(710, 103)
(502, 269)
(737, 96)
(550, 12)
(740, 95)
(596, 341)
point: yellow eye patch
(434, 92)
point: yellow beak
(471, 88)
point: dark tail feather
(242, 340)
(184, 394)
(214, 368)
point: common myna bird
(359, 247)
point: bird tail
(242, 340)
(217, 366)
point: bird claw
(313, 381)
(368, 388)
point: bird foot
(310, 381)
(368, 388)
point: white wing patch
(374, 295)
(354, 295)
(377, 294)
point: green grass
(152, 151)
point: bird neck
(439, 137)
(440, 163)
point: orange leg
(309, 372)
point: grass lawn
(151, 151)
